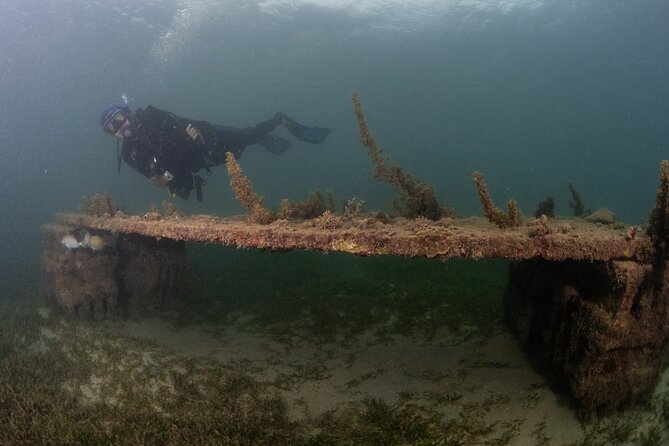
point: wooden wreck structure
(590, 297)
(585, 294)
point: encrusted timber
(135, 275)
(601, 325)
(151, 273)
(80, 281)
(467, 239)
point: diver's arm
(181, 185)
(162, 180)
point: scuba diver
(170, 150)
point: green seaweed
(576, 201)
(495, 215)
(658, 229)
(87, 385)
(312, 207)
(417, 198)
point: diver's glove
(181, 186)
(161, 180)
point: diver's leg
(261, 134)
(258, 133)
(314, 135)
(228, 139)
(235, 140)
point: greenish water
(532, 93)
(343, 295)
(298, 348)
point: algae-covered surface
(378, 234)
(299, 348)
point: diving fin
(275, 144)
(313, 135)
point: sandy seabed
(471, 375)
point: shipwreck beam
(588, 297)
(447, 238)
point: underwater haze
(534, 94)
(296, 347)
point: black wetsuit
(161, 143)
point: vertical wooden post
(81, 281)
(131, 275)
(601, 325)
(151, 273)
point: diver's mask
(115, 122)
